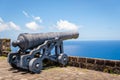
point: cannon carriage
(34, 48)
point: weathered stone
(109, 63)
(116, 70)
(99, 67)
(90, 60)
(70, 58)
(110, 66)
(82, 60)
(4, 46)
(99, 62)
(74, 59)
(117, 63)
(90, 66)
(82, 65)
(76, 64)
(71, 63)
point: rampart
(110, 66)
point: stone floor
(54, 73)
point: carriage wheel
(63, 59)
(35, 65)
(12, 59)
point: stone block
(99, 62)
(73, 59)
(109, 63)
(82, 60)
(90, 60)
(116, 70)
(90, 66)
(69, 59)
(70, 63)
(99, 67)
(117, 63)
(76, 64)
(82, 65)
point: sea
(92, 49)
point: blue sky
(94, 19)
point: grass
(50, 67)
(3, 58)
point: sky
(93, 19)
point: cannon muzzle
(15, 43)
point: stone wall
(4, 46)
(110, 66)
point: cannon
(36, 47)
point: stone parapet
(110, 66)
(4, 46)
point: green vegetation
(8, 49)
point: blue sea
(93, 49)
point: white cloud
(66, 25)
(33, 26)
(14, 26)
(26, 14)
(3, 27)
(8, 25)
(1, 20)
(37, 19)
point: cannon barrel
(28, 41)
